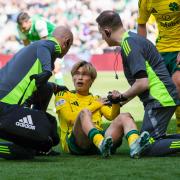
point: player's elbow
(143, 84)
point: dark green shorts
(76, 150)
(170, 61)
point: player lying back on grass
(80, 114)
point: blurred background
(80, 16)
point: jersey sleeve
(110, 113)
(143, 13)
(133, 56)
(64, 110)
(63, 107)
(44, 56)
(41, 28)
(94, 106)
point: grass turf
(119, 166)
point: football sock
(95, 137)
(177, 112)
(131, 136)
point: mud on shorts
(170, 61)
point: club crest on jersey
(173, 6)
(60, 102)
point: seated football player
(80, 115)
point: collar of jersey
(57, 46)
(74, 91)
(124, 36)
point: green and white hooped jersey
(40, 28)
(139, 54)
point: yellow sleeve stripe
(60, 93)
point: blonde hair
(88, 66)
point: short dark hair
(109, 19)
(23, 16)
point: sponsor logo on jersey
(153, 10)
(174, 6)
(60, 102)
(75, 103)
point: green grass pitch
(119, 166)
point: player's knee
(124, 117)
(121, 118)
(84, 112)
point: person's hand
(115, 94)
(103, 101)
(178, 59)
(41, 78)
(116, 97)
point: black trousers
(156, 121)
(29, 127)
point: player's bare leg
(86, 133)
(81, 129)
(125, 125)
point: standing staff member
(149, 79)
(167, 15)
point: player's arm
(44, 56)
(63, 107)
(110, 113)
(23, 37)
(137, 66)
(137, 88)
(41, 28)
(97, 103)
(143, 16)
(26, 42)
